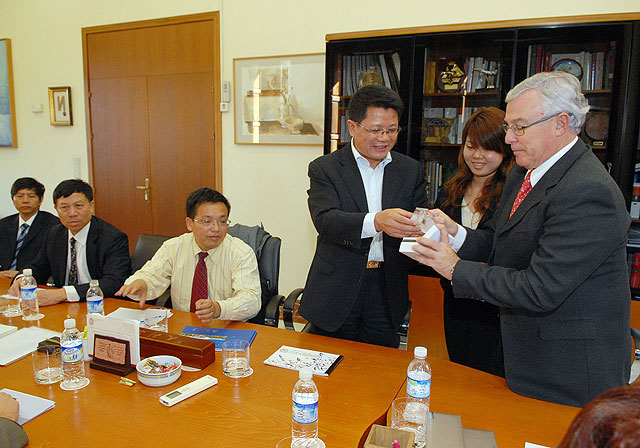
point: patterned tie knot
(524, 191)
(202, 255)
(24, 227)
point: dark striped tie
(73, 270)
(23, 232)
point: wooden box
(383, 437)
(192, 352)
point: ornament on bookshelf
(451, 78)
(489, 76)
(568, 65)
(436, 130)
(371, 78)
(596, 127)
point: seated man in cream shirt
(210, 273)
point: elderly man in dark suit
(82, 248)
(21, 235)
(556, 253)
(361, 200)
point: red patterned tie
(524, 191)
(199, 289)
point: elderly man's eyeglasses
(519, 130)
(380, 132)
(212, 222)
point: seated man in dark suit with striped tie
(210, 272)
(21, 235)
(82, 248)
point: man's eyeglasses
(212, 222)
(380, 132)
(519, 130)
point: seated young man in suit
(21, 235)
(210, 273)
(82, 248)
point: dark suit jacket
(558, 271)
(471, 327)
(32, 241)
(107, 257)
(338, 205)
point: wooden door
(152, 91)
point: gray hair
(559, 92)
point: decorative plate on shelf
(596, 125)
(568, 65)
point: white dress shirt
(372, 181)
(81, 261)
(232, 275)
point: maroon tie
(199, 289)
(524, 191)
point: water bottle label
(28, 292)
(72, 353)
(95, 305)
(418, 388)
(305, 413)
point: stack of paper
(19, 344)
(30, 405)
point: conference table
(256, 411)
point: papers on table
(296, 358)
(22, 342)
(30, 405)
(126, 329)
(7, 329)
(533, 445)
(132, 314)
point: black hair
(67, 187)
(27, 183)
(373, 96)
(204, 195)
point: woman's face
(482, 162)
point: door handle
(146, 187)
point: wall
(264, 183)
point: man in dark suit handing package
(556, 252)
(361, 199)
(82, 248)
(21, 235)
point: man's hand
(207, 310)
(396, 222)
(437, 254)
(51, 296)
(14, 289)
(9, 407)
(137, 290)
(8, 274)
(440, 217)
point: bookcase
(445, 73)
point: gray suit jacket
(11, 434)
(338, 205)
(558, 272)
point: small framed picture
(60, 106)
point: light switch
(36, 108)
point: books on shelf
(481, 75)
(444, 125)
(593, 69)
(355, 66)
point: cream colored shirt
(233, 278)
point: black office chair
(145, 248)
(267, 250)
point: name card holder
(111, 355)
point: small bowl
(159, 379)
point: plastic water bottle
(304, 421)
(29, 296)
(72, 363)
(95, 298)
(419, 377)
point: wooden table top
(256, 411)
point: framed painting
(279, 100)
(8, 134)
(60, 106)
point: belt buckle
(374, 264)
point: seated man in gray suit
(82, 248)
(21, 235)
(557, 243)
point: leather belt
(374, 264)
